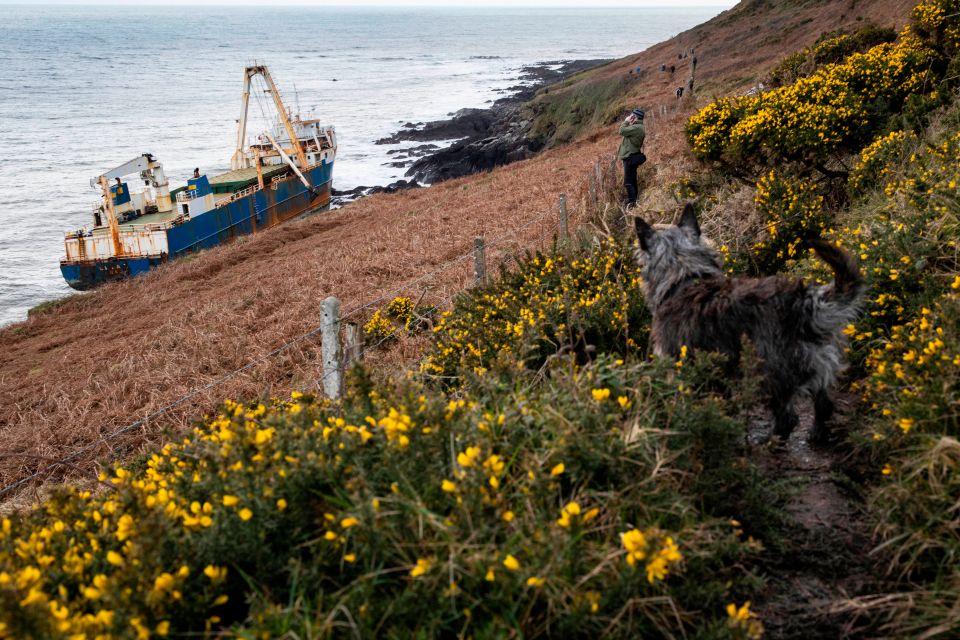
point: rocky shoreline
(483, 138)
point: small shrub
(793, 210)
(588, 304)
(399, 315)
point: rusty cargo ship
(284, 173)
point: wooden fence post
(330, 347)
(479, 262)
(593, 190)
(563, 216)
(352, 344)
(598, 168)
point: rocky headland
(482, 138)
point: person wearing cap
(631, 152)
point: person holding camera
(631, 152)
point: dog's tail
(848, 284)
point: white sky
(392, 3)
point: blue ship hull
(260, 210)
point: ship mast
(239, 159)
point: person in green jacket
(631, 152)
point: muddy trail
(821, 560)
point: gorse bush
(909, 247)
(830, 49)
(937, 21)
(793, 210)
(507, 511)
(550, 304)
(835, 110)
(399, 315)
(914, 390)
(908, 340)
(877, 159)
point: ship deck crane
(151, 171)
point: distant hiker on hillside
(631, 152)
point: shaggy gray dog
(795, 328)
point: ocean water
(85, 88)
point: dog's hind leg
(823, 408)
(784, 417)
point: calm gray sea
(83, 89)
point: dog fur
(795, 328)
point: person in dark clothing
(631, 152)
(679, 92)
(672, 69)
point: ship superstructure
(283, 173)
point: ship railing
(140, 228)
(243, 193)
(186, 196)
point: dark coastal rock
(463, 159)
(464, 123)
(413, 152)
(485, 138)
(339, 198)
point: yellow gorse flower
(469, 457)
(636, 545)
(423, 565)
(568, 513)
(600, 394)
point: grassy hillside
(537, 474)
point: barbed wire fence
(333, 321)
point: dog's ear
(688, 221)
(645, 233)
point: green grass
(563, 112)
(50, 305)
